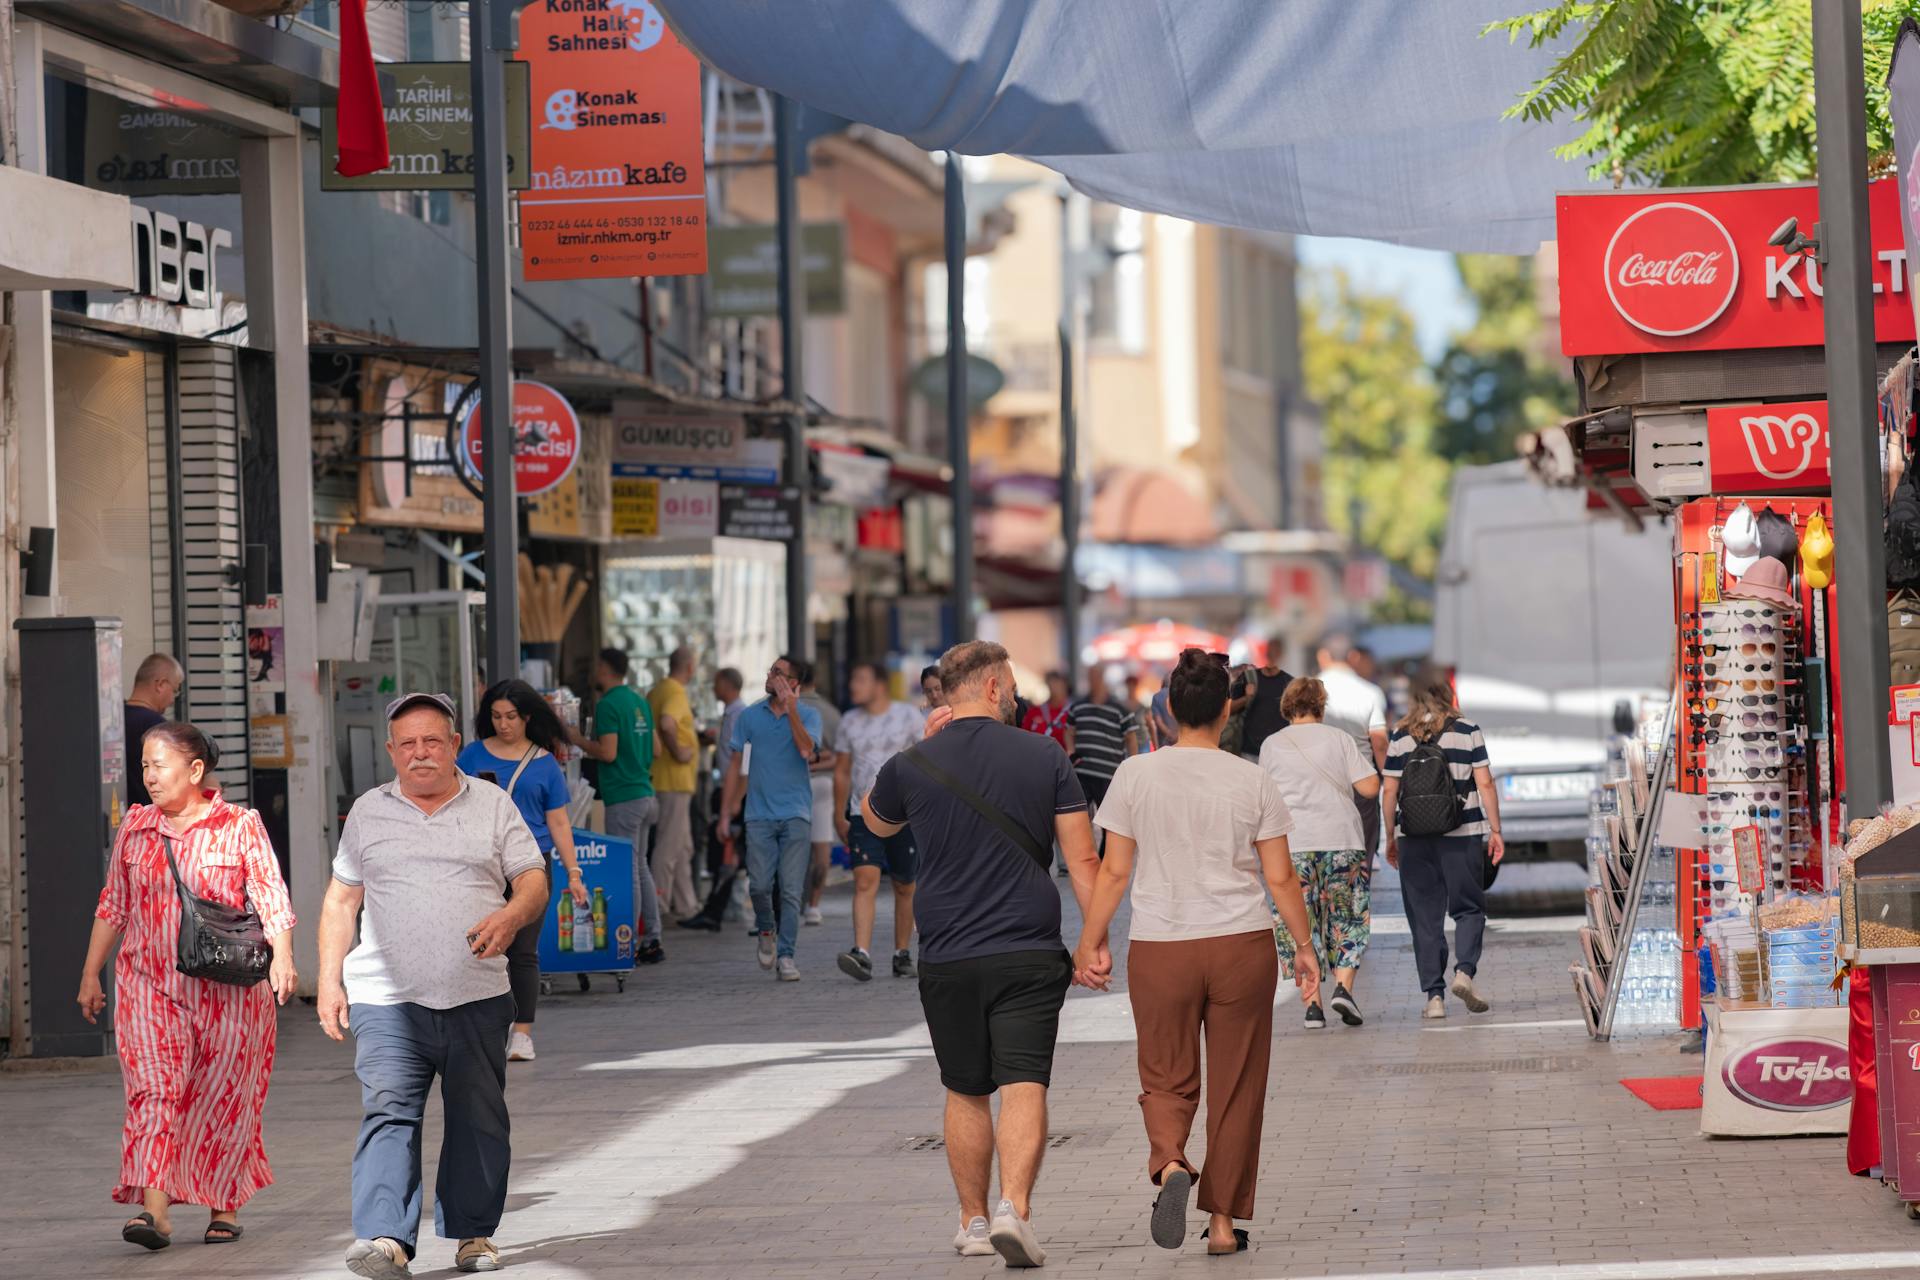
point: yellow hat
(1816, 553)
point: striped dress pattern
(195, 1056)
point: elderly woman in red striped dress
(195, 1055)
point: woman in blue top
(516, 738)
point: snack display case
(1880, 903)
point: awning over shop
(1132, 504)
(1331, 117)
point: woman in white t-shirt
(1208, 832)
(1319, 769)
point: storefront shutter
(216, 650)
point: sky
(1424, 279)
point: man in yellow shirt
(675, 768)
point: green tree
(1498, 378)
(1363, 367)
(1696, 92)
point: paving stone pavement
(710, 1123)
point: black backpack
(1429, 803)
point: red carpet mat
(1667, 1093)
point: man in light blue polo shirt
(772, 747)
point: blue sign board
(599, 937)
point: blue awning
(1374, 118)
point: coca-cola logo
(1801, 1074)
(1671, 269)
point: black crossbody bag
(217, 942)
(1022, 838)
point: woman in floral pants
(1319, 770)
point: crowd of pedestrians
(1236, 812)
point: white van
(1556, 624)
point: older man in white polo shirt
(447, 873)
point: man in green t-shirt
(623, 742)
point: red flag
(363, 121)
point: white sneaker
(1013, 1238)
(789, 971)
(1436, 1008)
(766, 951)
(811, 916)
(520, 1047)
(1463, 988)
(972, 1241)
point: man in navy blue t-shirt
(993, 969)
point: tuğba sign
(1799, 1074)
(546, 437)
(1767, 448)
(1692, 270)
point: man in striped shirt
(1103, 736)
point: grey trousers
(633, 820)
(398, 1050)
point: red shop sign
(1681, 270)
(1765, 448)
(1803, 1073)
(546, 437)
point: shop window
(321, 14)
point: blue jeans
(398, 1049)
(779, 851)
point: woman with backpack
(1445, 830)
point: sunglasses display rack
(1748, 745)
(1627, 974)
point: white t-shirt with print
(873, 740)
(1309, 762)
(1194, 813)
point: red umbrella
(1156, 643)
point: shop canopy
(1372, 118)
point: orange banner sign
(618, 184)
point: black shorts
(994, 1019)
(896, 854)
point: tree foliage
(1498, 378)
(1362, 365)
(1696, 92)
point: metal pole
(1069, 451)
(1860, 571)
(957, 445)
(793, 318)
(490, 35)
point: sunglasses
(1714, 735)
(1756, 794)
(1750, 684)
(1738, 612)
(1752, 772)
(1721, 669)
(1746, 648)
(1747, 719)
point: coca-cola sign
(1671, 269)
(1769, 448)
(1644, 271)
(1798, 1074)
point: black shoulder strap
(1021, 837)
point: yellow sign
(636, 507)
(1710, 577)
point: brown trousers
(1225, 987)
